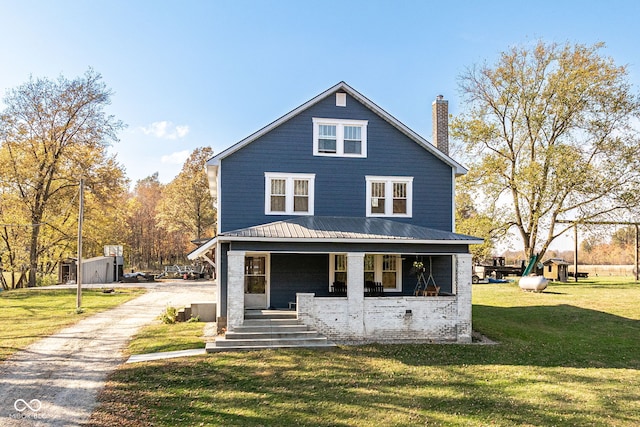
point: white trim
(340, 124)
(267, 273)
(289, 196)
(388, 209)
(342, 86)
(202, 249)
(348, 240)
(218, 199)
(378, 265)
(332, 266)
(453, 200)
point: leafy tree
(549, 134)
(186, 205)
(472, 220)
(145, 237)
(52, 133)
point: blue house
(340, 212)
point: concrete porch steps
(265, 329)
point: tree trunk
(33, 255)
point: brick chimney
(440, 119)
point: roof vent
(341, 99)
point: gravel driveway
(55, 381)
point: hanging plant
(418, 266)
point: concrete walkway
(55, 381)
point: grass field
(162, 337)
(30, 314)
(567, 357)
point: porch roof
(331, 228)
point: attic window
(339, 137)
(341, 99)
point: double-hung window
(339, 137)
(386, 269)
(338, 268)
(389, 196)
(288, 193)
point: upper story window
(389, 196)
(288, 193)
(339, 137)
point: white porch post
(235, 289)
(463, 273)
(355, 294)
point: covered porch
(395, 315)
(377, 299)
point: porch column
(235, 289)
(355, 294)
(462, 284)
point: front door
(255, 282)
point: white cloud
(165, 130)
(177, 158)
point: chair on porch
(373, 289)
(338, 289)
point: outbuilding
(556, 269)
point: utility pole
(575, 252)
(79, 266)
(637, 273)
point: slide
(532, 263)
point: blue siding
(292, 273)
(340, 182)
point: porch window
(385, 269)
(340, 269)
(389, 271)
(389, 196)
(289, 193)
(369, 268)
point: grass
(168, 337)
(30, 314)
(567, 357)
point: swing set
(575, 234)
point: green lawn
(168, 337)
(30, 314)
(567, 357)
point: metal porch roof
(314, 228)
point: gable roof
(342, 86)
(556, 261)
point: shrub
(170, 315)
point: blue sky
(194, 73)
